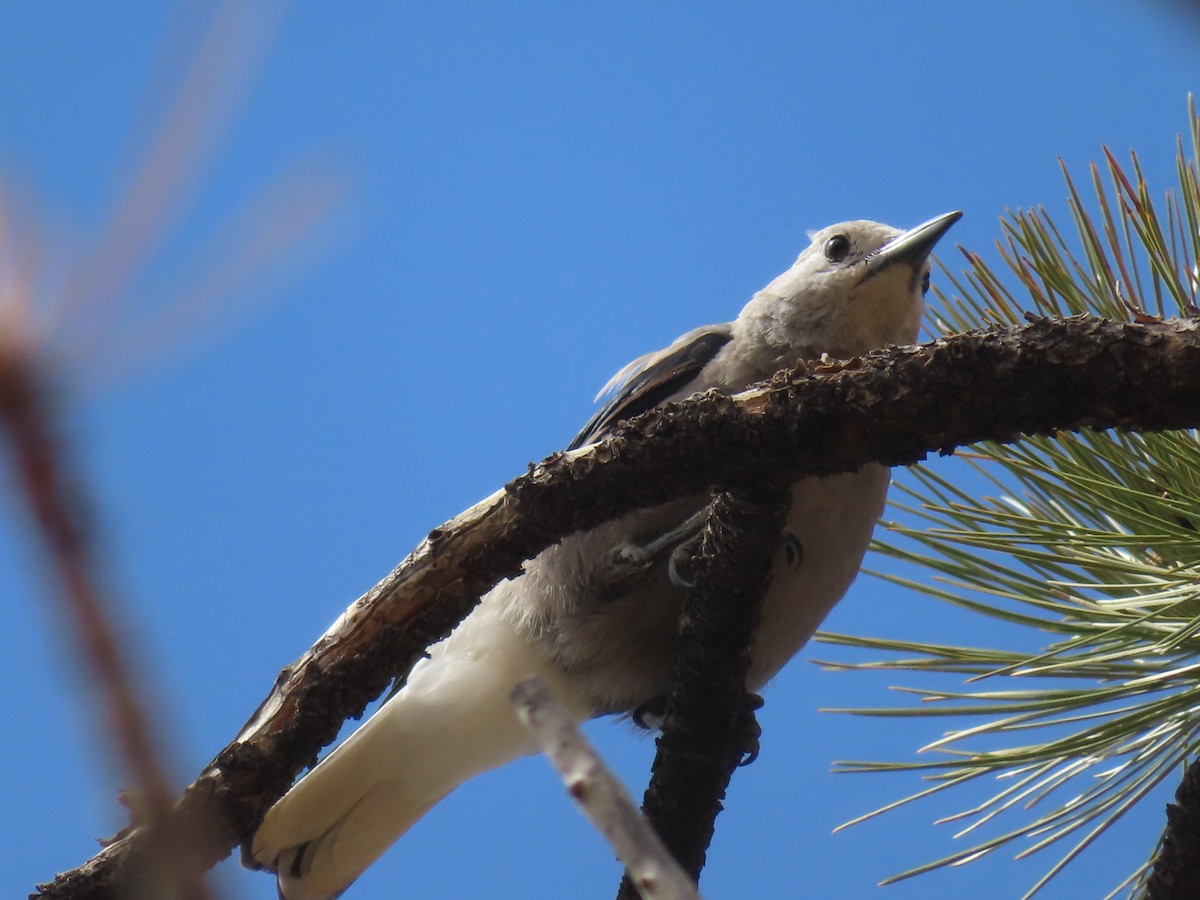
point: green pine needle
(1090, 544)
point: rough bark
(704, 733)
(894, 407)
(1176, 874)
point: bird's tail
(451, 721)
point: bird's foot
(681, 564)
(649, 715)
(633, 557)
(748, 730)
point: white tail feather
(451, 721)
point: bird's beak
(914, 246)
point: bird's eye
(836, 248)
(925, 283)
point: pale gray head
(858, 286)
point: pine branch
(894, 407)
(704, 734)
(1176, 874)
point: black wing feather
(655, 383)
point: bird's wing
(651, 379)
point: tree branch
(1176, 874)
(701, 741)
(893, 407)
(58, 500)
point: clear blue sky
(539, 192)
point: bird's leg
(678, 543)
(631, 556)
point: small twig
(600, 796)
(700, 744)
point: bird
(596, 615)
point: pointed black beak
(914, 246)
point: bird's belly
(833, 519)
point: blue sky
(535, 193)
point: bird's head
(858, 286)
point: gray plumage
(596, 614)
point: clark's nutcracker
(596, 614)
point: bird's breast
(829, 528)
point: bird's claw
(682, 558)
(748, 730)
(649, 715)
(630, 558)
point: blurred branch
(55, 312)
(708, 717)
(893, 406)
(58, 503)
(600, 795)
